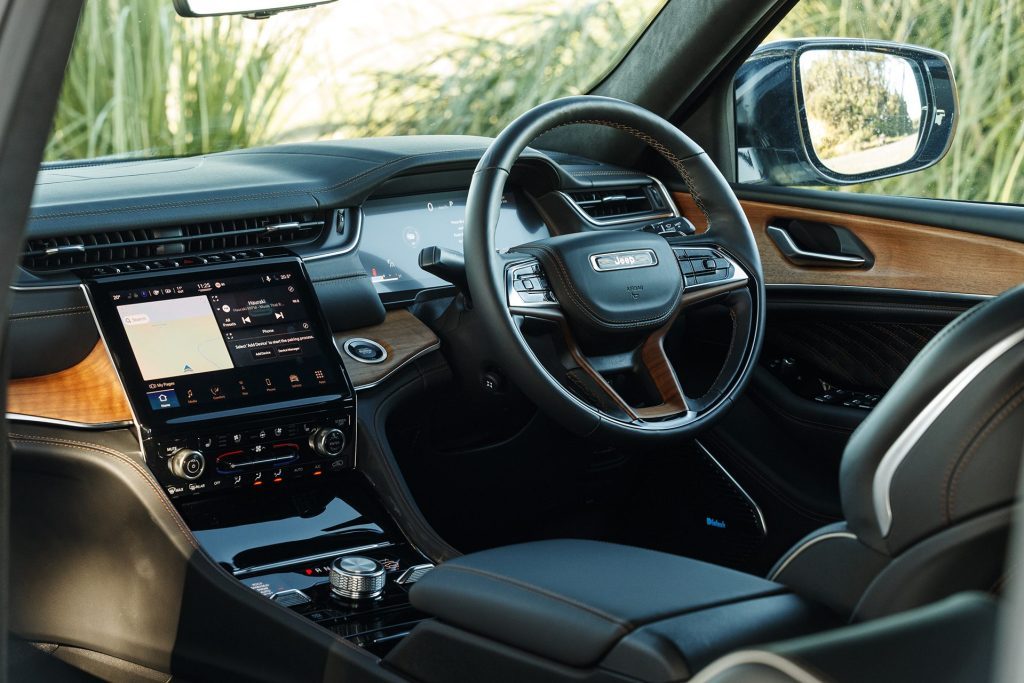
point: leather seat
(929, 478)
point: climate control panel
(267, 453)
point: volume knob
(357, 578)
(187, 464)
(327, 442)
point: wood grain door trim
(401, 334)
(88, 392)
(907, 255)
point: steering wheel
(610, 296)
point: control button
(187, 464)
(327, 442)
(365, 350)
(357, 578)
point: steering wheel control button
(527, 286)
(365, 350)
(357, 578)
(328, 442)
(187, 464)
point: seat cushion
(572, 600)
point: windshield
(143, 82)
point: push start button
(365, 350)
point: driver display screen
(232, 338)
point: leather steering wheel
(612, 294)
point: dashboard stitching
(264, 195)
(34, 317)
(659, 147)
(328, 278)
(87, 446)
(46, 311)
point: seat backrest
(944, 444)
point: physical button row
(179, 262)
(262, 479)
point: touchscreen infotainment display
(221, 338)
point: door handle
(801, 257)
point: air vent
(101, 248)
(613, 205)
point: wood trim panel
(907, 255)
(88, 392)
(401, 334)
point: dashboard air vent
(116, 246)
(622, 204)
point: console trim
(284, 564)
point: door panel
(907, 255)
(840, 332)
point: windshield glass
(143, 82)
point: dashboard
(395, 229)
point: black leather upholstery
(966, 459)
(585, 604)
(952, 641)
(929, 477)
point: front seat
(929, 478)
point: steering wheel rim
(486, 269)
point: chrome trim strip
(69, 424)
(350, 245)
(885, 472)
(785, 666)
(283, 564)
(753, 503)
(673, 211)
(371, 385)
(414, 573)
(795, 552)
(857, 289)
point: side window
(860, 95)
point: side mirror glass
(834, 112)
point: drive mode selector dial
(357, 578)
(187, 464)
(327, 442)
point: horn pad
(621, 283)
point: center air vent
(102, 248)
(613, 205)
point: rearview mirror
(838, 112)
(256, 9)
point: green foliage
(479, 83)
(848, 94)
(984, 40)
(142, 82)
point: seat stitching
(968, 457)
(85, 446)
(971, 432)
(541, 591)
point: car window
(143, 82)
(983, 40)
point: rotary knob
(327, 442)
(357, 578)
(187, 464)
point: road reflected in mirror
(863, 108)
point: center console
(247, 419)
(231, 373)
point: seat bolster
(830, 566)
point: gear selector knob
(357, 578)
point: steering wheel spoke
(708, 272)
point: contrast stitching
(28, 319)
(1004, 413)
(540, 591)
(658, 146)
(50, 311)
(85, 446)
(346, 276)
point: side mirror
(830, 111)
(254, 9)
